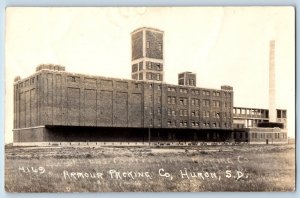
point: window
(159, 87)
(157, 77)
(206, 93)
(140, 65)
(159, 110)
(284, 113)
(171, 89)
(173, 100)
(140, 76)
(206, 114)
(192, 82)
(150, 86)
(158, 66)
(185, 112)
(173, 113)
(181, 101)
(183, 90)
(149, 65)
(278, 113)
(148, 44)
(169, 112)
(206, 103)
(160, 46)
(195, 91)
(169, 123)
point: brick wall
(65, 99)
(155, 46)
(137, 45)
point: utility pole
(149, 134)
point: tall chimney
(272, 83)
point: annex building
(53, 105)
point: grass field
(106, 169)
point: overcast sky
(224, 46)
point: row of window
(183, 90)
(188, 82)
(258, 112)
(196, 113)
(268, 136)
(149, 65)
(196, 92)
(197, 124)
(153, 76)
(153, 66)
(196, 102)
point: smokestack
(272, 83)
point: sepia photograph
(150, 99)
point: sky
(222, 45)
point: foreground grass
(210, 168)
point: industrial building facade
(53, 105)
(248, 126)
(52, 97)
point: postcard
(150, 99)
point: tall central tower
(147, 54)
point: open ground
(122, 169)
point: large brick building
(53, 105)
(52, 99)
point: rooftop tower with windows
(147, 54)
